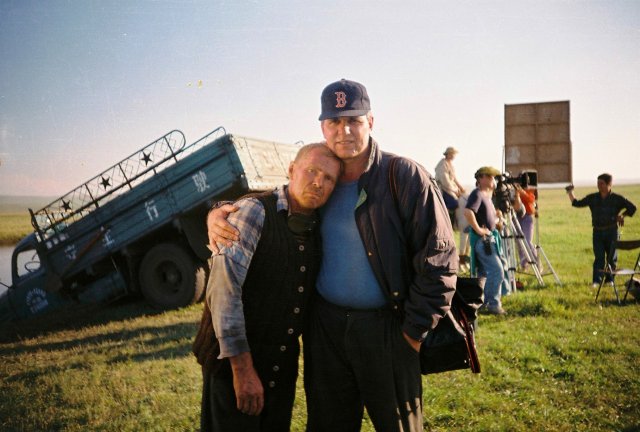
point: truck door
(27, 295)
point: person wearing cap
(447, 180)
(453, 194)
(485, 239)
(605, 207)
(387, 276)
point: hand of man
(247, 385)
(219, 230)
(620, 220)
(411, 341)
(484, 232)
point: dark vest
(280, 280)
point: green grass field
(14, 226)
(558, 361)
(14, 217)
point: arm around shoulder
(219, 230)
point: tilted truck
(139, 226)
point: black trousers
(357, 359)
(220, 412)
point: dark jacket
(604, 211)
(413, 254)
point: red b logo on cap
(341, 99)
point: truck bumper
(26, 302)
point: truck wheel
(170, 277)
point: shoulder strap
(393, 185)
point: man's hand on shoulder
(219, 230)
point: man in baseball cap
(366, 272)
(485, 238)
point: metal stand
(516, 233)
(513, 235)
(542, 254)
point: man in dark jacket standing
(256, 301)
(605, 209)
(387, 276)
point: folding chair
(631, 272)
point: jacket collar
(375, 156)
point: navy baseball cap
(344, 98)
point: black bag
(451, 345)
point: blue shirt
(483, 208)
(346, 278)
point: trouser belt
(605, 227)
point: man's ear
(290, 170)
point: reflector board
(537, 137)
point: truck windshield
(26, 261)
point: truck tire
(170, 277)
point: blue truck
(139, 227)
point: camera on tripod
(505, 189)
(525, 179)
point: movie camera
(505, 187)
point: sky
(85, 83)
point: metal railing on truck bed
(114, 181)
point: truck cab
(27, 294)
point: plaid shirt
(229, 271)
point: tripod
(541, 253)
(512, 235)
